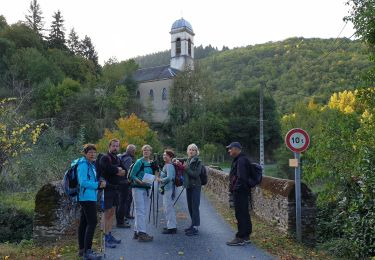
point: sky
(128, 28)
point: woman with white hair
(192, 183)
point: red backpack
(179, 169)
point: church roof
(155, 73)
(180, 24)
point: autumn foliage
(130, 130)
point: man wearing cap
(240, 190)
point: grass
(24, 201)
(268, 238)
(66, 248)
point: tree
(130, 130)
(3, 23)
(362, 15)
(56, 37)
(35, 19)
(88, 51)
(73, 42)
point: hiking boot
(144, 237)
(112, 239)
(135, 235)
(247, 240)
(169, 231)
(187, 229)
(91, 255)
(236, 242)
(109, 244)
(123, 225)
(192, 232)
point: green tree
(88, 52)
(56, 38)
(3, 23)
(73, 42)
(35, 19)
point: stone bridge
(273, 201)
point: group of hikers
(122, 181)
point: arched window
(164, 94)
(178, 46)
(189, 47)
(138, 94)
(152, 94)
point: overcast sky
(128, 28)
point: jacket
(109, 164)
(167, 176)
(239, 174)
(192, 172)
(138, 173)
(88, 184)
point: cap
(234, 144)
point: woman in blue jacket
(88, 186)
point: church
(155, 83)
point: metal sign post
(297, 177)
(297, 140)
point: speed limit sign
(297, 140)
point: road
(209, 244)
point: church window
(178, 46)
(164, 94)
(189, 47)
(138, 94)
(152, 94)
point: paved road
(209, 244)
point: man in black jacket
(240, 173)
(113, 173)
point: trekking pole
(149, 212)
(157, 205)
(103, 219)
(178, 196)
(153, 202)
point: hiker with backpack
(87, 197)
(111, 170)
(167, 189)
(141, 176)
(192, 183)
(240, 189)
(125, 197)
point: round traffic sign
(297, 140)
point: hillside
(293, 70)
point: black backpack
(256, 175)
(203, 175)
(70, 181)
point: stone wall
(274, 202)
(55, 213)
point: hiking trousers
(169, 211)
(140, 202)
(87, 224)
(193, 196)
(241, 209)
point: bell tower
(182, 45)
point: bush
(15, 224)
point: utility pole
(261, 133)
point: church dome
(182, 24)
